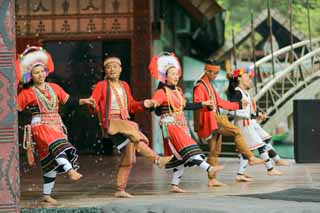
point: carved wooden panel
(9, 154)
(63, 7)
(48, 17)
(40, 7)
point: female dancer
(170, 103)
(239, 84)
(57, 154)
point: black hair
(233, 83)
(212, 62)
(161, 85)
(27, 85)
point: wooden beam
(192, 10)
(141, 54)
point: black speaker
(306, 116)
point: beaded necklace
(48, 105)
(171, 102)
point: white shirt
(114, 103)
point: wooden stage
(147, 182)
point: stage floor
(147, 182)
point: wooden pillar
(9, 152)
(141, 54)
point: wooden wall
(9, 152)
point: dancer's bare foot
(74, 175)
(49, 199)
(274, 172)
(176, 189)
(215, 183)
(282, 163)
(253, 161)
(162, 161)
(123, 194)
(213, 170)
(242, 178)
(247, 175)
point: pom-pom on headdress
(239, 72)
(159, 65)
(31, 57)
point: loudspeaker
(306, 116)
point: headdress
(159, 65)
(239, 72)
(31, 57)
(111, 60)
(209, 66)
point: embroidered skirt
(178, 141)
(51, 141)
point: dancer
(170, 103)
(210, 125)
(114, 102)
(56, 153)
(254, 135)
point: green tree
(238, 13)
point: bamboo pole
(234, 50)
(271, 36)
(253, 46)
(291, 34)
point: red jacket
(206, 122)
(102, 96)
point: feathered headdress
(31, 57)
(160, 64)
(239, 72)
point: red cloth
(100, 96)
(161, 97)
(179, 135)
(44, 134)
(207, 121)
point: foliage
(238, 13)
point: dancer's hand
(148, 103)
(244, 103)
(208, 103)
(262, 116)
(89, 101)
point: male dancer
(114, 101)
(210, 125)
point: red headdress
(239, 72)
(160, 64)
(211, 67)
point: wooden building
(78, 34)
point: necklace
(48, 105)
(171, 102)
